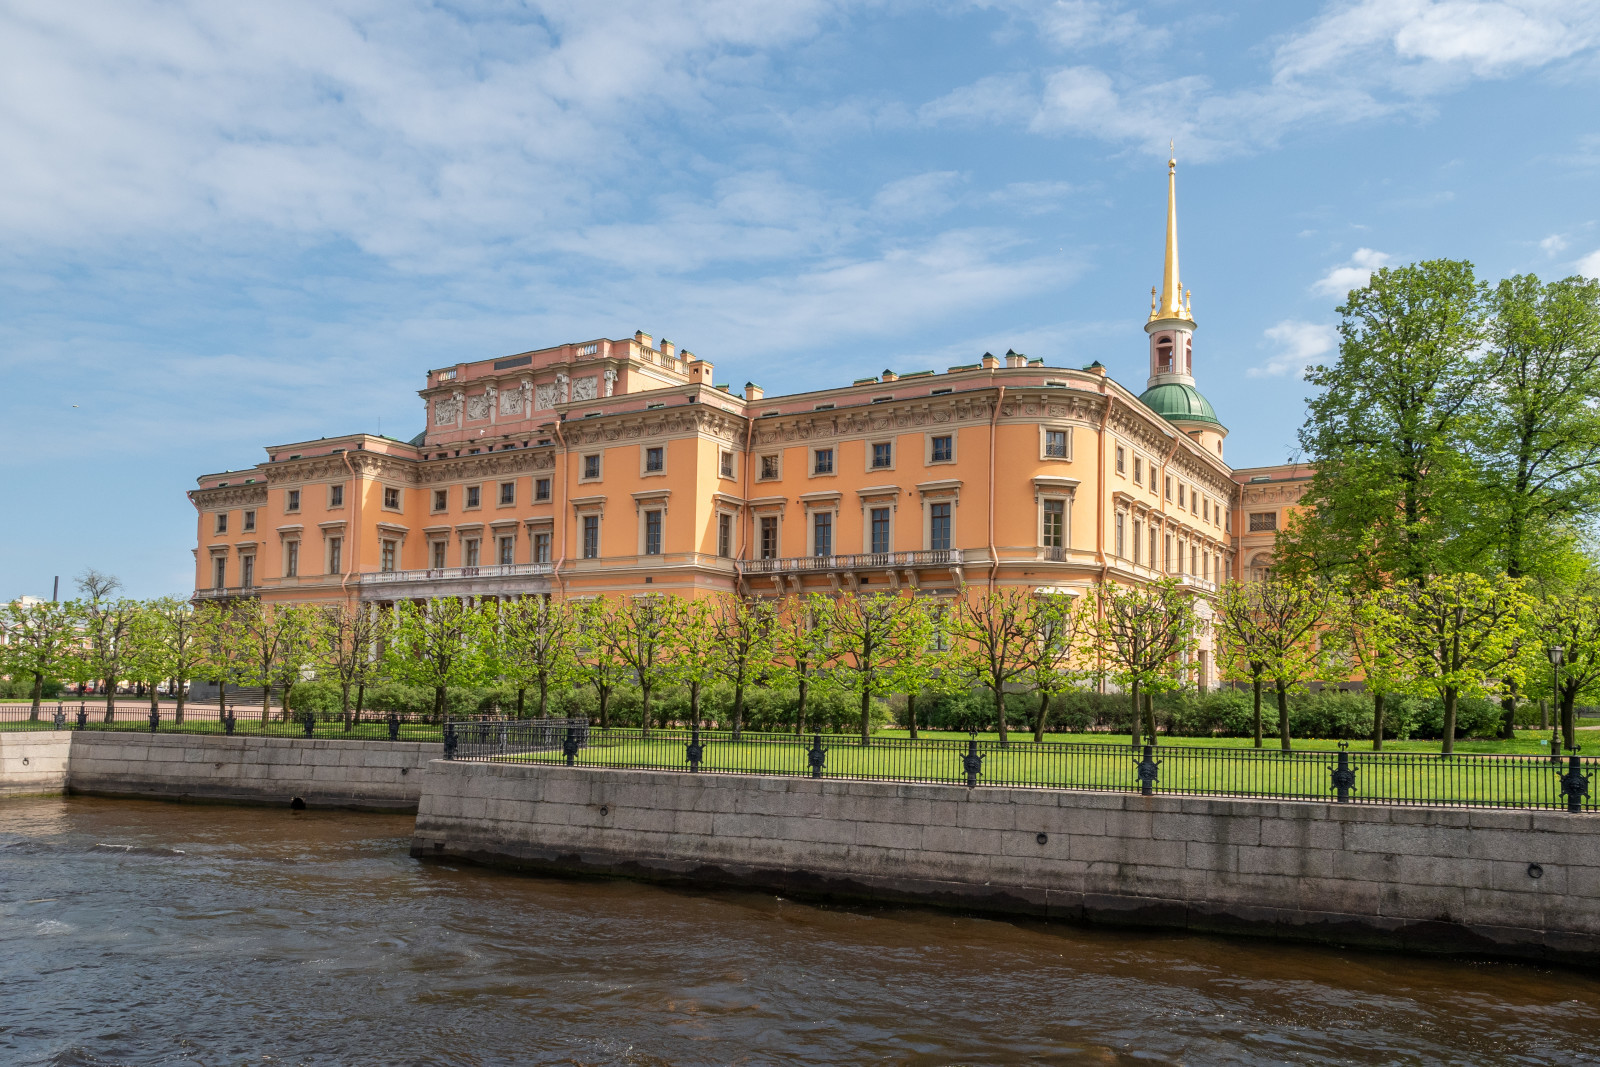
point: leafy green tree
(595, 641)
(536, 647)
(744, 630)
(278, 638)
(1144, 635)
(1570, 620)
(800, 647)
(106, 647)
(694, 654)
(442, 644)
(145, 657)
(225, 649)
(999, 638)
(41, 639)
(1457, 635)
(1370, 636)
(1536, 434)
(1244, 641)
(1057, 627)
(344, 640)
(879, 644)
(1386, 431)
(1279, 623)
(946, 663)
(644, 637)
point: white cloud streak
(1352, 275)
(1300, 345)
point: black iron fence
(209, 719)
(1559, 782)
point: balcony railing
(435, 574)
(1190, 581)
(935, 557)
(230, 591)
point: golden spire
(1170, 303)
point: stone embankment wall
(34, 761)
(1513, 883)
(377, 775)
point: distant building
(618, 466)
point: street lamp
(1555, 654)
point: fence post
(394, 727)
(972, 763)
(1344, 775)
(569, 747)
(155, 719)
(1574, 784)
(817, 756)
(60, 722)
(1149, 771)
(694, 749)
(449, 740)
(227, 724)
(310, 723)
(83, 717)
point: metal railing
(934, 557)
(242, 720)
(487, 570)
(1558, 782)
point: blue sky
(224, 226)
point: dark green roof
(1179, 403)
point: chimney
(990, 361)
(1015, 359)
(667, 348)
(1096, 368)
(700, 372)
(752, 391)
(643, 339)
(890, 376)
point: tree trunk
(177, 689)
(1377, 722)
(222, 701)
(1508, 705)
(1138, 714)
(1040, 719)
(866, 716)
(266, 701)
(438, 705)
(38, 689)
(1450, 698)
(111, 700)
(738, 708)
(694, 703)
(644, 708)
(1255, 686)
(1283, 713)
(1544, 714)
(1150, 717)
(155, 701)
(1568, 724)
(361, 697)
(1000, 714)
(544, 697)
(522, 696)
(911, 714)
(603, 692)
(344, 706)
(800, 708)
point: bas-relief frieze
(866, 421)
(585, 388)
(680, 421)
(545, 396)
(446, 409)
(232, 496)
(486, 466)
(1269, 493)
(479, 406)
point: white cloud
(918, 196)
(1352, 275)
(1299, 344)
(1589, 265)
(1553, 244)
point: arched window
(1260, 567)
(1164, 354)
(1188, 357)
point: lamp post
(1555, 653)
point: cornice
(1272, 493)
(486, 465)
(896, 415)
(684, 421)
(231, 496)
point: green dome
(1179, 403)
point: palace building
(618, 466)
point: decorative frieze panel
(479, 406)
(446, 409)
(907, 415)
(585, 388)
(232, 496)
(489, 465)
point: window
(219, 572)
(1263, 520)
(335, 555)
(769, 537)
(1121, 549)
(769, 467)
(1055, 524)
(1205, 565)
(441, 499)
(652, 533)
(939, 527)
(469, 552)
(291, 559)
(292, 500)
(508, 550)
(1180, 495)
(1138, 471)
(247, 571)
(1194, 560)
(1205, 509)
(386, 556)
(1167, 555)
(1055, 444)
(1152, 557)
(1122, 461)
(822, 461)
(336, 496)
(1169, 488)
(541, 548)
(591, 537)
(1138, 538)
(822, 533)
(391, 498)
(541, 489)
(508, 492)
(725, 464)
(249, 522)
(222, 522)
(438, 549)
(880, 530)
(654, 460)
(882, 455)
(943, 449)
(474, 496)
(725, 535)
(591, 466)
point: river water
(145, 933)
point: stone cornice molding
(684, 421)
(486, 465)
(1071, 404)
(1272, 493)
(911, 413)
(227, 497)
